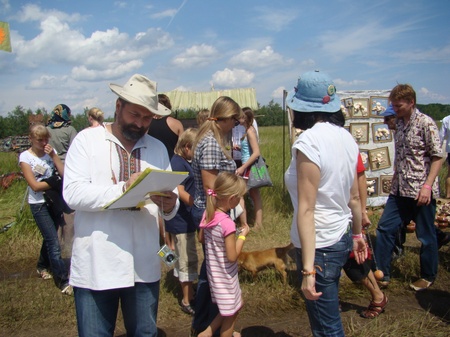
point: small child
(182, 228)
(222, 249)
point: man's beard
(132, 133)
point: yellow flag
(5, 41)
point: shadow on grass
(436, 302)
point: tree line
(16, 122)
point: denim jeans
(205, 309)
(97, 310)
(324, 316)
(400, 210)
(50, 255)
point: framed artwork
(381, 133)
(360, 132)
(348, 102)
(379, 158)
(385, 184)
(372, 187)
(360, 108)
(365, 158)
(377, 105)
(345, 109)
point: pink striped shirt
(222, 274)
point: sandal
(187, 308)
(375, 309)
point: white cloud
(278, 92)
(47, 82)
(4, 5)
(353, 83)
(32, 13)
(169, 13)
(103, 54)
(120, 4)
(195, 56)
(433, 97)
(429, 55)
(82, 73)
(274, 19)
(259, 59)
(358, 39)
(232, 78)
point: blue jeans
(400, 210)
(324, 316)
(97, 310)
(205, 309)
(50, 255)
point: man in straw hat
(115, 251)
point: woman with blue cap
(322, 183)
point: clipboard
(150, 182)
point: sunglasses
(236, 121)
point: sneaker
(67, 289)
(44, 274)
(420, 285)
(444, 241)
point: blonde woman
(95, 117)
(212, 155)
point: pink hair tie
(212, 192)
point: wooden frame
(378, 104)
(379, 158)
(381, 133)
(360, 108)
(372, 187)
(385, 184)
(365, 158)
(345, 109)
(360, 132)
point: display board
(362, 110)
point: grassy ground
(34, 307)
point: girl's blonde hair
(223, 108)
(96, 114)
(39, 131)
(226, 185)
(186, 139)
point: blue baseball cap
(315, 92)
(388, 112)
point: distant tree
(271, 114)
(435, 110)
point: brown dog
(258, 260)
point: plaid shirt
(208, 155)
(415, 144)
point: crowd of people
(113, 253)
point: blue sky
(67, 51)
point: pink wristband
(357, 236)
(428, 187)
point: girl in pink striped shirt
(217, 231)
